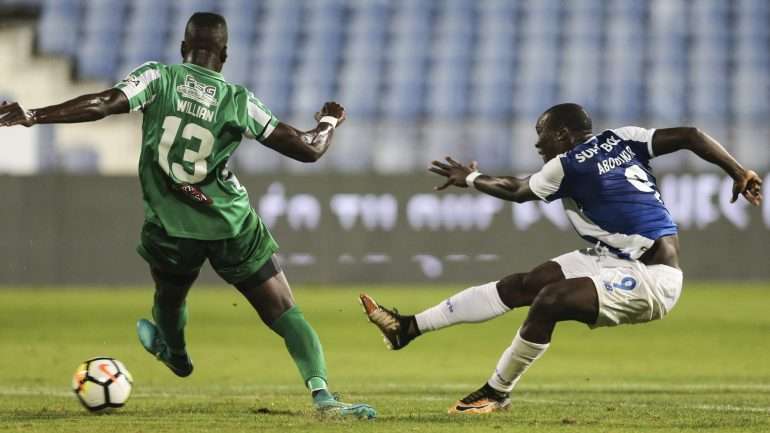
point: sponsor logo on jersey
(590, 152)
(198, 92)
(132, 80)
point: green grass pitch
(706, 368)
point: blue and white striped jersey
(608, 191)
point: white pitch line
(149, 393)
(707, 407)
(386, 387)
(592, 387)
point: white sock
(514, 362)
(474, 304)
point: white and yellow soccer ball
(102, 384)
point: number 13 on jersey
(176, 170)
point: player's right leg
(472, 305)
(571, 299)
(174, 265)
(165, 337)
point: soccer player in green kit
(195, 209)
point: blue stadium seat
(491, 145)
(238, 68)
(397, 148)
(409, 49)
(530, 99)
(371, 46)
(524, 159)
(404, 100)
(492, 101)
(274, 93)
(749, 82)
(447, 99)
(622, 102)
(272, 70)
(580, 77)
(453, 46)
(746, 135)
(359, 90)
(54, 34)
(496, 62)
(242, 17)
(352, 148)
(581, 18)
(309, 94)
(97, 60)
(538, 63)
(666, 98)
(172, 52)
(99, 17)
(444, 137)
(493, 72)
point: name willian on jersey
(197, 99)
(609, 163)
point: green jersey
(193, 122)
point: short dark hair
(207, 25)
(569, 115)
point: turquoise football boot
(179, 364)
(327, 405)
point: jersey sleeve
(141, 85)
(548, 183)
(640, 139)
(260, 121)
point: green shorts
(235, 259)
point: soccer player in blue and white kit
(630, 275)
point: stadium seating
(436, 62)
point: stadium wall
(75, 230)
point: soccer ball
(102, 384)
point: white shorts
(628, 290)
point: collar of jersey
(204, 71)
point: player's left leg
(247, 262)
(572, 299)
(472, 305)
(273, 300)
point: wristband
(471, 178)
(330, 120)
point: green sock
(316, 384)
(171, 320)
(304, 347)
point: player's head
(205, 40)
(560, 128)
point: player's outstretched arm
(307, 146)
(86, 108)
(503, 187)
(745, 182)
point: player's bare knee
(512, 292)
(550, 301)
(533, 283)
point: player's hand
(332, 109)
(13, 114)
(453, 171)
(748, 184)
